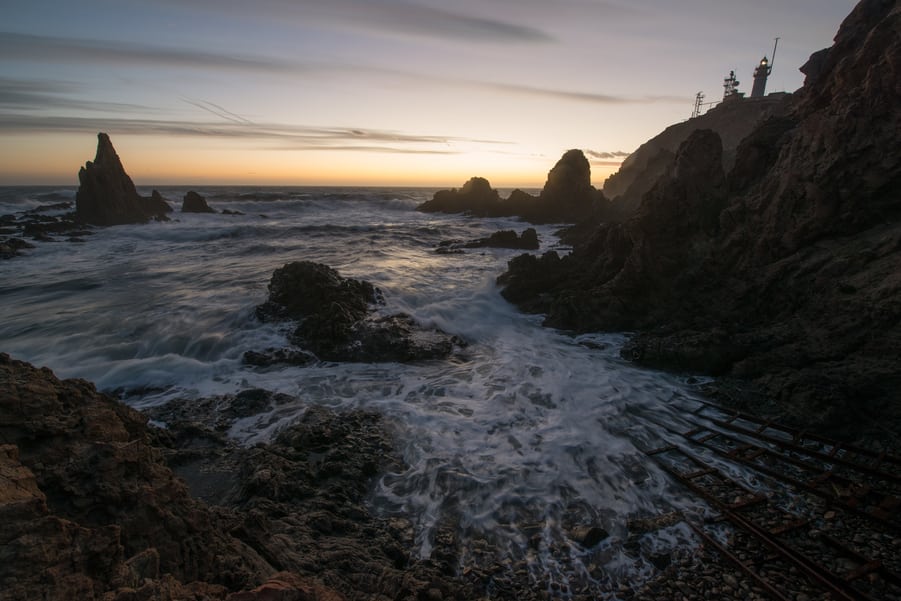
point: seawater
(528, 426)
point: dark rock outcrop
(567, 196)
(528, 240)
(195, 203)
(95, 503)
(733, 121)
(107, 196)
(337, 319)
(779, 274)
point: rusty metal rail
(788, 537)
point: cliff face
(782, 273)
(732, 121)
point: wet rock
(195, 203)
(107, 196)
(278, 356)
(528, 240)
(337, 321)
(158, 204)
(588, 536)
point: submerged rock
(337, 319)
(107, 196)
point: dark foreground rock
(107, 196)
(781, 274)
(567, 196)
(91, 511)
(195, 203)
(337, 319)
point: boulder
(195, 203)
(107, 196)
(337, 320)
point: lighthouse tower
(760, 74)
(763, 71)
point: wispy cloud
(270, 136)
(388, 16)
(579, 96)
(26, 47)
(29, 95)
(603, 154)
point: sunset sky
(373, 92)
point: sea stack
(106, 195)
(195, 203)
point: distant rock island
(567, 196)
(777, 269)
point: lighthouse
(760, 74)
(763, 71)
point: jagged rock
(337, 321)
(158, 204)
(88, 509)
(195, 203)
(107, 196)
(567, 197)
(782, 273)
(528, 240)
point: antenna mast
(773, 60)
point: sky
(373, 92)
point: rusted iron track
(830, 470)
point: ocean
(526, 425)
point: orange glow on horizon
(153, 160)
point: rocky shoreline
(779, 277)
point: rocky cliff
(107, 196)
(781, 274)
(732, 121)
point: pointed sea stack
(106, 195)
(195, 203)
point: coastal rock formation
(528, 240)
(732, 120)
(91, 510)
(567, 196)
(195, 203)
(782, 275)
(476, 197)
(95, 511)
(337, 321)
(107, 196)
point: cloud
(277, 136)
(384, 16)
(578, 95)
(26, 47)
(616, 154)
(21, 94)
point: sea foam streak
(526, 431)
